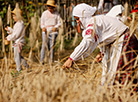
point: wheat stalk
(1, 24)
(9, 21)
(9, 14)
(75, 39)
(18, 13)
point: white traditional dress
(100, 31)
(107, 29)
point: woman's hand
(6, 41)
(6, 28)
(54, 29)
(67, 64)
(99, 57)
(43, 29)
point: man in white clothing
(50, 22)
(103, 31)
(104, 6)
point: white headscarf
(84, 12)
(115, 11)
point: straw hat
(51, 3)
(15, 11)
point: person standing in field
(50, 23)
(73, 22)
(113, 39)
(104, 6)
(17, 35)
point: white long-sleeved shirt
(50, 20)
(17, 33)
(107, 29)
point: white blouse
(50, 20)
(17, 33)
(107, 30)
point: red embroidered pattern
(90, 25)
(89, 31)
(71, 59)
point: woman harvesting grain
(17, 35)
(111, 35)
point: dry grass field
(44, 83)
(50, 83)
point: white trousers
(110, 60)
(19, 59)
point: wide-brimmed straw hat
(15, 11)
(50, 3)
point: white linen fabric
(84, 12)
(50, 20)
(19, 60)
(108, 29)
(110, 60)
(84, 21)
(115, 11)
(17, 33)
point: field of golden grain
(49, 82)
(44, 83)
